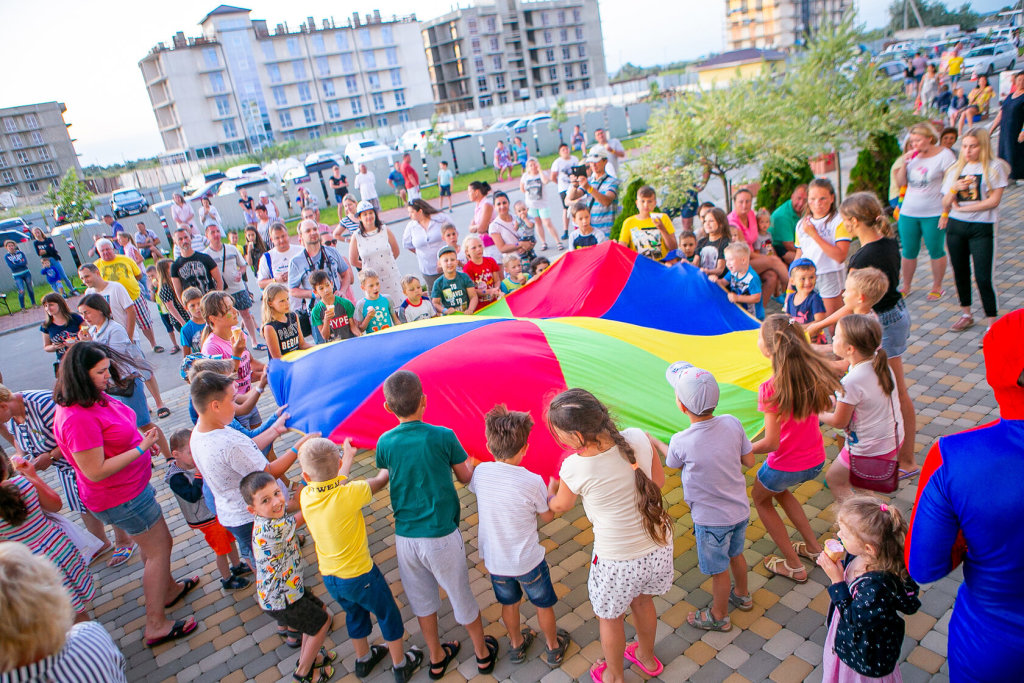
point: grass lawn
(40, 290)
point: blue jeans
(536, 583)
(716, 545)
(365, 595)
(23, 281)
(243, 534)
(59, 267)
(778, 481)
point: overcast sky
(86, 54)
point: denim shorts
(895, 329)
(243, 535)
(362, 596)
(536, 583)
(252, 419)
(716, 545)
(778, 481)
(137, 516)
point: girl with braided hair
(620, 479)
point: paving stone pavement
(780, 640)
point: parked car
(12, 234)
(505, 125)
(127, 202)
(209, 189)
(60, 214)
(986, 60)
(17, 223)
(521, 125)
(229, 186)
(413, 139)
(361, 151)
(200, 179)
(245, 171)
(892, 70)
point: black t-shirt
(60, 333)
(246, 203)
(195, 271)
(46, 248)
(287, 332)
(339, 183)
(883, 254)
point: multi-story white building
(35, 149)
(241, 85)
(510, 50)
(778, 24)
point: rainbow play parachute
(470, 363)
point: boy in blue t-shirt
(444, 184)
(373, 312)
(805, 304)
(53, 278)
(742, 283)
(192, 330)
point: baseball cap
(695, 388)
(186, 364)
(363, 206)
(802, 262)
(597, 153)
(264, 195)
(446, 250)
(675, 254)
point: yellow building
(719, 71)
(778, 24)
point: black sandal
(325, 657)
(410, 665)
(517, 655)
(187, 586)
(179, 629)
(486, 665)
(163, 412)
(554, 658)
(451, 651)
(377, 653)
(326, 673)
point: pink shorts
(844, 456)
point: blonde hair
(985, 158)
(870, 282)
(880, 525)
(469, 239)
(218, 365)
(368, 274)
(5, 394)
(802, 379)
(35, 609)
(926, 129)
(269, 294)
(737, 248)
(408, 280)
(319, 459)
(510, 258)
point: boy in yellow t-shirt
(954, 66)
(332, 507)
(648, 234)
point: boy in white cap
(710, 454)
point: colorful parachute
(612, 282)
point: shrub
(627, 204)
(871, 173)
(779, 177)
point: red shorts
(218, 538)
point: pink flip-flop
(630, 654)
(597, 671)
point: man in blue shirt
(397, 181)
(600, 190)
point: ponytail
(13, 509)
(865, 207)
(880, 525)
(864, 334)
(579, 411)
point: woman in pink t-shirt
(771, 269)
(802, 385)
(98, 437)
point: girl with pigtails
(619, 478)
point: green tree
(934, 13)
(72, 198)
(835, 96)
(871, 173)
(558, 115)
(779, 177)
(627, 205)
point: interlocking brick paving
(780, 640)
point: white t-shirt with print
(560, 170)
(224, 457)
(231, 266)
(509, 498)
(983, 183)
(924, 185)
(274, 262)
(876, 417)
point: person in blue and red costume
(968, 510)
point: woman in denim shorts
(97, 434)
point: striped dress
(35, 437)
(45, 538)
(89, 656)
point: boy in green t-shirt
(420, 459)
(453, 291)
(332, 315)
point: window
(31, 121)
(502, 98)
(37, 137)
(554, 90)
(583, 69)
(328, 88)
(539, 92)
(571, 85)
(43, 153)
(366, 38)
(382, 121)
(475, 43)
(293, 47)
(568, 70)
(561, 17)
(545, 18)
(481, 84)
(583, 51)
(479, 64)
(210, 56)
(274, 73)
(392, 56)
(553, 73)
(310, 113)
(579, 34)
(286, 119)
(28, 172)
(299, 69)
(280, 98)
(223, 106)
(374, 81)
(347, 64)
(378, 101)
(549, 54)
(314, 134)
(33, 187)
(496, 61)
(304, 94)
(565, 53)
(268, 50)
(495, 45)
(499, 81)
(341, 38)
(357, 105)
(576, 16)
(230, 131)
(8, 177)
(10, 125)
(217, 82)
(399, 98)
(387, 35)
(318, 43)
(23, 157)
(471, 24)
(323, 67)
(3, 161)
(586, 84)
(547, 36)
(396, 77)
(403, 116)
(370, 60)
(288, 136)
(333, 110)
(16, 141)
(563, 35)
(351, 84)
(486, 101)
(492, 24)
(337, 128)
